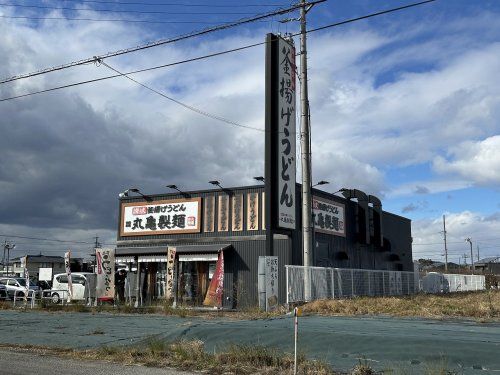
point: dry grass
(191, 356)
(478, 305)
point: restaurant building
(177, 240)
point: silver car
(16, 286)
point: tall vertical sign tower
(280, 160)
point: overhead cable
(207, 5)
(115, 20)
(132, 72)
(44, 239)
(196, 58)
(160, 42)
(191, 108)
(120, 11)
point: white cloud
(483, 231)
(475, 161)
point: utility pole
(4, 248)
(471, 255)
(305, 143)
(477, 253)
(445, 247)
(465, 256)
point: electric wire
(175, 63)
(132, 72)
(44, 239)
(194, 109)
(115, 20)
(158, 42)
(178, 4)
(120, 11)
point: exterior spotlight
(216, 183)
(127, 192)
(174, 187)
(123, 194)
(322, 182)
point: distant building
(489, 265)
(35, 262)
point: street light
(471, 256)
(8, 246)
(259, 178)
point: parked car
(80, 282)
(17, 286)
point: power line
(120, 11)
(171, 64)
(44, 239)
(158, 43)
(132, 72)
(178, 4)
(194, 109)
(113, 20)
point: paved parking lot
(383, 342)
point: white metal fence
(435, 282)
(327, 283)
(343, 282)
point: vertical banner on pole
(24, 266)
(105, 261)
(216, 287)
(67, 266)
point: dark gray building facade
(176, 240)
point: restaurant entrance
(195, 273)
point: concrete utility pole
(471, 255)
(477, 253)
(305, 143)
(445, 247)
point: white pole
(296, 327)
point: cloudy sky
(405, 106)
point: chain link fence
(328, 283)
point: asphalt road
(467, 347)
(14, 362)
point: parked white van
(83, 282)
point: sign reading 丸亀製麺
(161, 217)
(286, 134)
(329, 216)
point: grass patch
(481, 305)
(191, 355)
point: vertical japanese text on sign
(286, 134)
